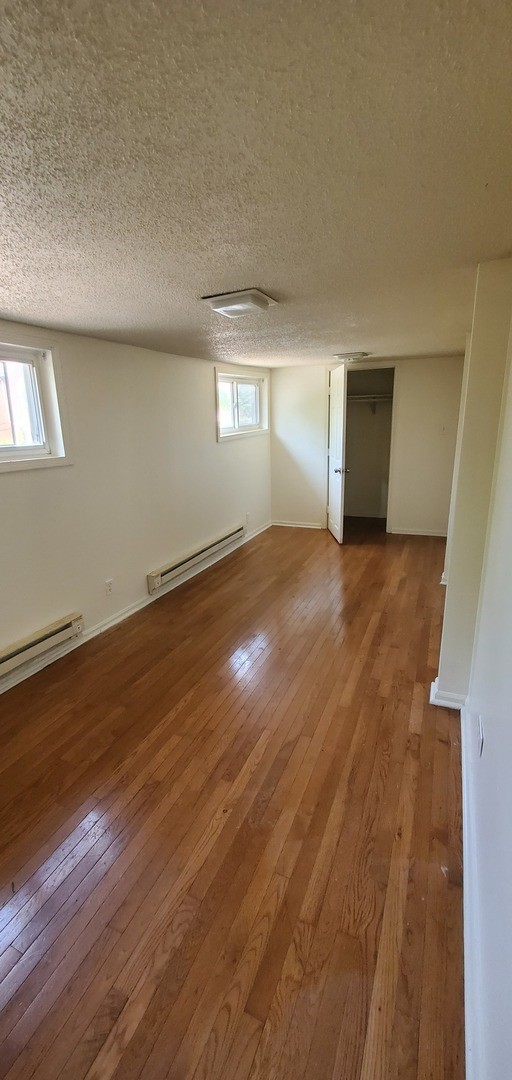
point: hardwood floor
(230, 831)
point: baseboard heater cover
(25, 649)
(158, 578)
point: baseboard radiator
(158, 578)
(25, 649)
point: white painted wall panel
(426, 408)
(488, 787)
(299, 445)
(149, 482)
(482, 402)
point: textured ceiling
(350, 157)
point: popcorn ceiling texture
(353, 159)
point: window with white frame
(242, 405)
(30, 426)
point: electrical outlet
(109, 585)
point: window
(241, 404)
(30, 428)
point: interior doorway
(360, 420)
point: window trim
(249, 376)
(44, 363)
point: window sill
(48, 462)
(242, 434)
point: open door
(336, 475)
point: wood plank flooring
(230, 831)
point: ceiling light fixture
(247, 302)
(351, 357)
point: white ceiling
(350, 157)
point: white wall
(299, 445)
(149, 482)
(425, 410)
(426, 406)
(479, 426)
(367, 447)
(488, 789)
(456, 461)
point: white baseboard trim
(445, 698)
(26, 670)
(444, 579)
(415, 532)
(475, 1068)
(300, 524)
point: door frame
(370, 365)
(332, 368)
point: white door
(336, 477)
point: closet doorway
(361, 409)
(368, 445)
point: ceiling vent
(247, 302)
(350, 357)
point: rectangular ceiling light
(247, 302)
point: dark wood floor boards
(231, 831)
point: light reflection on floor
(22, 895)
(242, 659)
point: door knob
(337, 470)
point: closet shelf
(369, 397)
